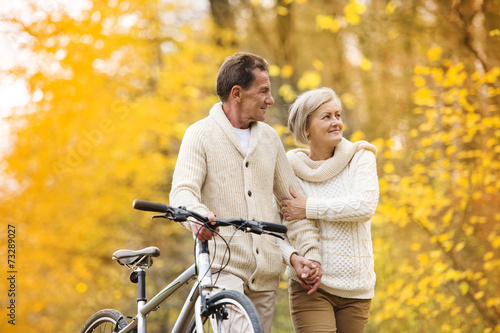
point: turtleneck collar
(320, 171)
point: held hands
(294, 209)
(200, 231)
(308, 272)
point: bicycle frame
(200, 304)
(201, 272)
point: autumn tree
(439, 193)
(113, 86)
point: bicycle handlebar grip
(149, 206)
(274, 227)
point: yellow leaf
(416, 246)
(327, 22)
(309, 80)
(286, 91)
(492, 75)
(488, 256)
(459, 247)
(479, 295)
(419, 81)
(463, 287)
(490, 265)
(286, 71)
(352, 11)
(366, 64)
(357, 136)
(492, 302)
(349, 100)
(496, 242)
(281, 129)
(468, 230)
(390, 8)
(421, 70)
(274, 70)
(456, 310)
(423, 97)
(434, 53)
(81, 287)
(389, 167)
(423, 258)
(318, 64)
(281, 10)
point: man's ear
(236, 92)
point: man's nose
(269, 99)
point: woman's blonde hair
(304, 106)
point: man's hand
(200, 231)
(308, 272)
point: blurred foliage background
(113, 85)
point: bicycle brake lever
(273, 234)
(159, 216)
(253, 228)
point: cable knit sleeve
(304, 234)
(362, 202)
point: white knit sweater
(213, 173)
(342, 195)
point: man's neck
(233, 116)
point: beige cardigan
(213, 173)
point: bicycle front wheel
(230, 311)
(105, 321)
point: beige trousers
(322, 312)
(264, 301)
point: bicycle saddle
(131, 257)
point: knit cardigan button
(246, 164)
(249, 193)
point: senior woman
(339, 179)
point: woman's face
(325, 126)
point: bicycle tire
(104, 321)
(231, 302)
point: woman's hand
(308, 271)
(294, 209)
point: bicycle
(204, 309)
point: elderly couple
(231, 165)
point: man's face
(256, 98)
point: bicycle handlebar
(181, 214)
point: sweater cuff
(313, 254)
(312, 208)
(286, 252)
